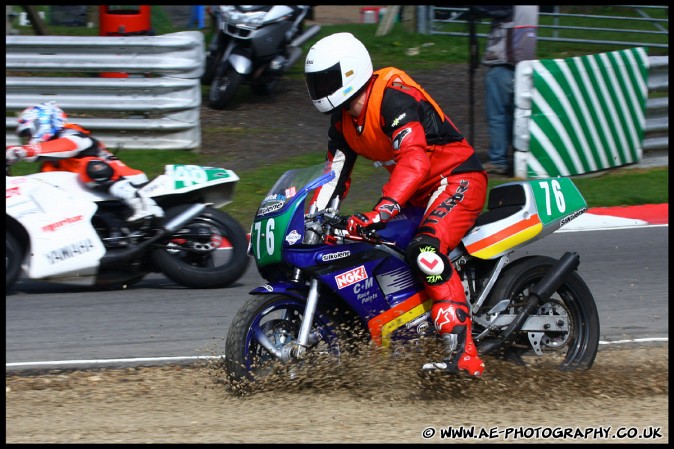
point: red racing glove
(384, 211)
(17, 153)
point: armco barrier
(157, 107)
(584, 114)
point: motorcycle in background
(325, 286)
(58, 230)
(255, 45)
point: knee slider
(100, 173)
(424, 256)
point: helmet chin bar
(320, 105)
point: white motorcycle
(58, 230)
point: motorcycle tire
(223, 88)
(564, 351)
(196, 267)
(213, 57)
(13, 258)
(274, 321)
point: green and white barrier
(580, 115)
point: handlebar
(368, 234)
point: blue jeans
(500, 107)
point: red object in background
(124, 20)
(369, 14)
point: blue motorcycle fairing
(402, 228)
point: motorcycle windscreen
(280, 217)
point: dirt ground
(369, 400)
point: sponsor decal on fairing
(293, 237)
(351, 277)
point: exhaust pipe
(540, 293)
(294, 47)
(299, 40)
(114, 259)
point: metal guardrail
(156, 107)
(656, 129)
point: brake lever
(370, 234)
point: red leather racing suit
(430, 164)
(72, 149)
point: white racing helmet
(336, 68)
(40, 123)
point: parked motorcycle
(321, 281)
(58, 230)
(253, 44)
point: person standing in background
(512, 38)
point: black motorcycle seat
(503, 201)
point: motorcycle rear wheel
(572, 302)
(193, 264)
(275, 320)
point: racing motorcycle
(325, 286)
(253, 44)
(58, 230)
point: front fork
(223, 63)
(305, 337)
(297, 347)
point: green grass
(617, 187)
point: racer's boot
(142, 206)
(452, 320)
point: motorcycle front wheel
(572, 344)
(266, 327)
(223, 88)
(210, 251)
(213, 57)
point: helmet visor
(324, 83)
(25, 136)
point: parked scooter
(255, 45)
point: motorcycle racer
(47, 136)
(387, 117)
